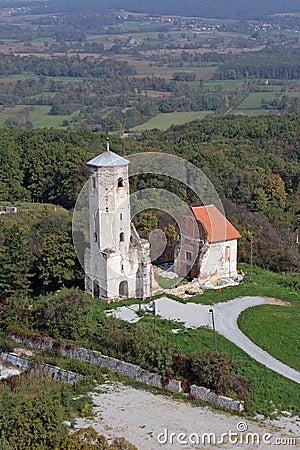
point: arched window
(120, 182)
(122, 237)
(227, 253)
(123, 289)
(96, 289)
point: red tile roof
(217, 226)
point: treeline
(63, 66)
(270, 64)
(230, 9)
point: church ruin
(117, 264)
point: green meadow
(164, 121)
(39, 116)
(253, 100)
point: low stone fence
(125, 368)
(56, 372)
(94, 357)
(202, 393)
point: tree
(57, 260)
(148, 222)
(275, 189)
(29, 416)
(15, 262)
(65, 315)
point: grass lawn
(292, 94)
(20, 75)
(264, 283)
(39, 117)
(163, 121)
(10, 112)
(226, 84)
(250, 112)
(276, 329)
(253, 100)
(160, 70)
(268, 391)
(166, 283)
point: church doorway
(96, 289)
(123, 289)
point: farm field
(250, 112)
(38, 116)
(202, 73)
(145, 47)
(163, 121)
(253, 100)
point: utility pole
(251, 258)
(214, 328)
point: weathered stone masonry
(128, 369)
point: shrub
(215, 371)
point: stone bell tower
(117, 265)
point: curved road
(226, 314)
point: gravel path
(148, 421)
(196, 315)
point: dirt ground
(147, 421)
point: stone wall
(56, 372)
(128, 369)
(202, 393)
(93, 357)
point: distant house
(8, 210)
(207, 251)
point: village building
(117, 264)
(208, 253)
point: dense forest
(236, 9)
(268, 63)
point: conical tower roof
(108, 159)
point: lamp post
(211, 311)
(251, 258)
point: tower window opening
(122, 237)
(106, 209)
(120, 182)
(96, 237)
(121, 216)
(188, 256)
(93, 182)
